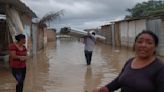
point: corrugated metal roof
(20, 6)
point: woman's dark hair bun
(19, 37)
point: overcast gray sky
(82, 14)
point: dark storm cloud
(81, 14)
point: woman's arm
(160, 80)
(114, 85)
(13, 55)
(102, 89)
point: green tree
(147, 8)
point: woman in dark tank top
(142, 73)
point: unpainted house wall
(124, 33)
(135, 27)
(156, 26)
(40, 38)
(129, 30)
(131, 33)
(34, 38)
(117, 35)
(161, 39)
(51, 35)
(26, 19)
(107, 32)
(140, 26)
(45, 36)
(27, 25)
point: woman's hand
(23, 58)
(102, 89)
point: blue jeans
(88, 56)
(19, 75)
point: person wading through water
(89, 42)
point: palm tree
(50, 16)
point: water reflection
(88, 79)
(61, 67)
(7, 81)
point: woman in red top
(17, 60)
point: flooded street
(62, 68)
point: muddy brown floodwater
(61, 67)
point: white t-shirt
(89, 43)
